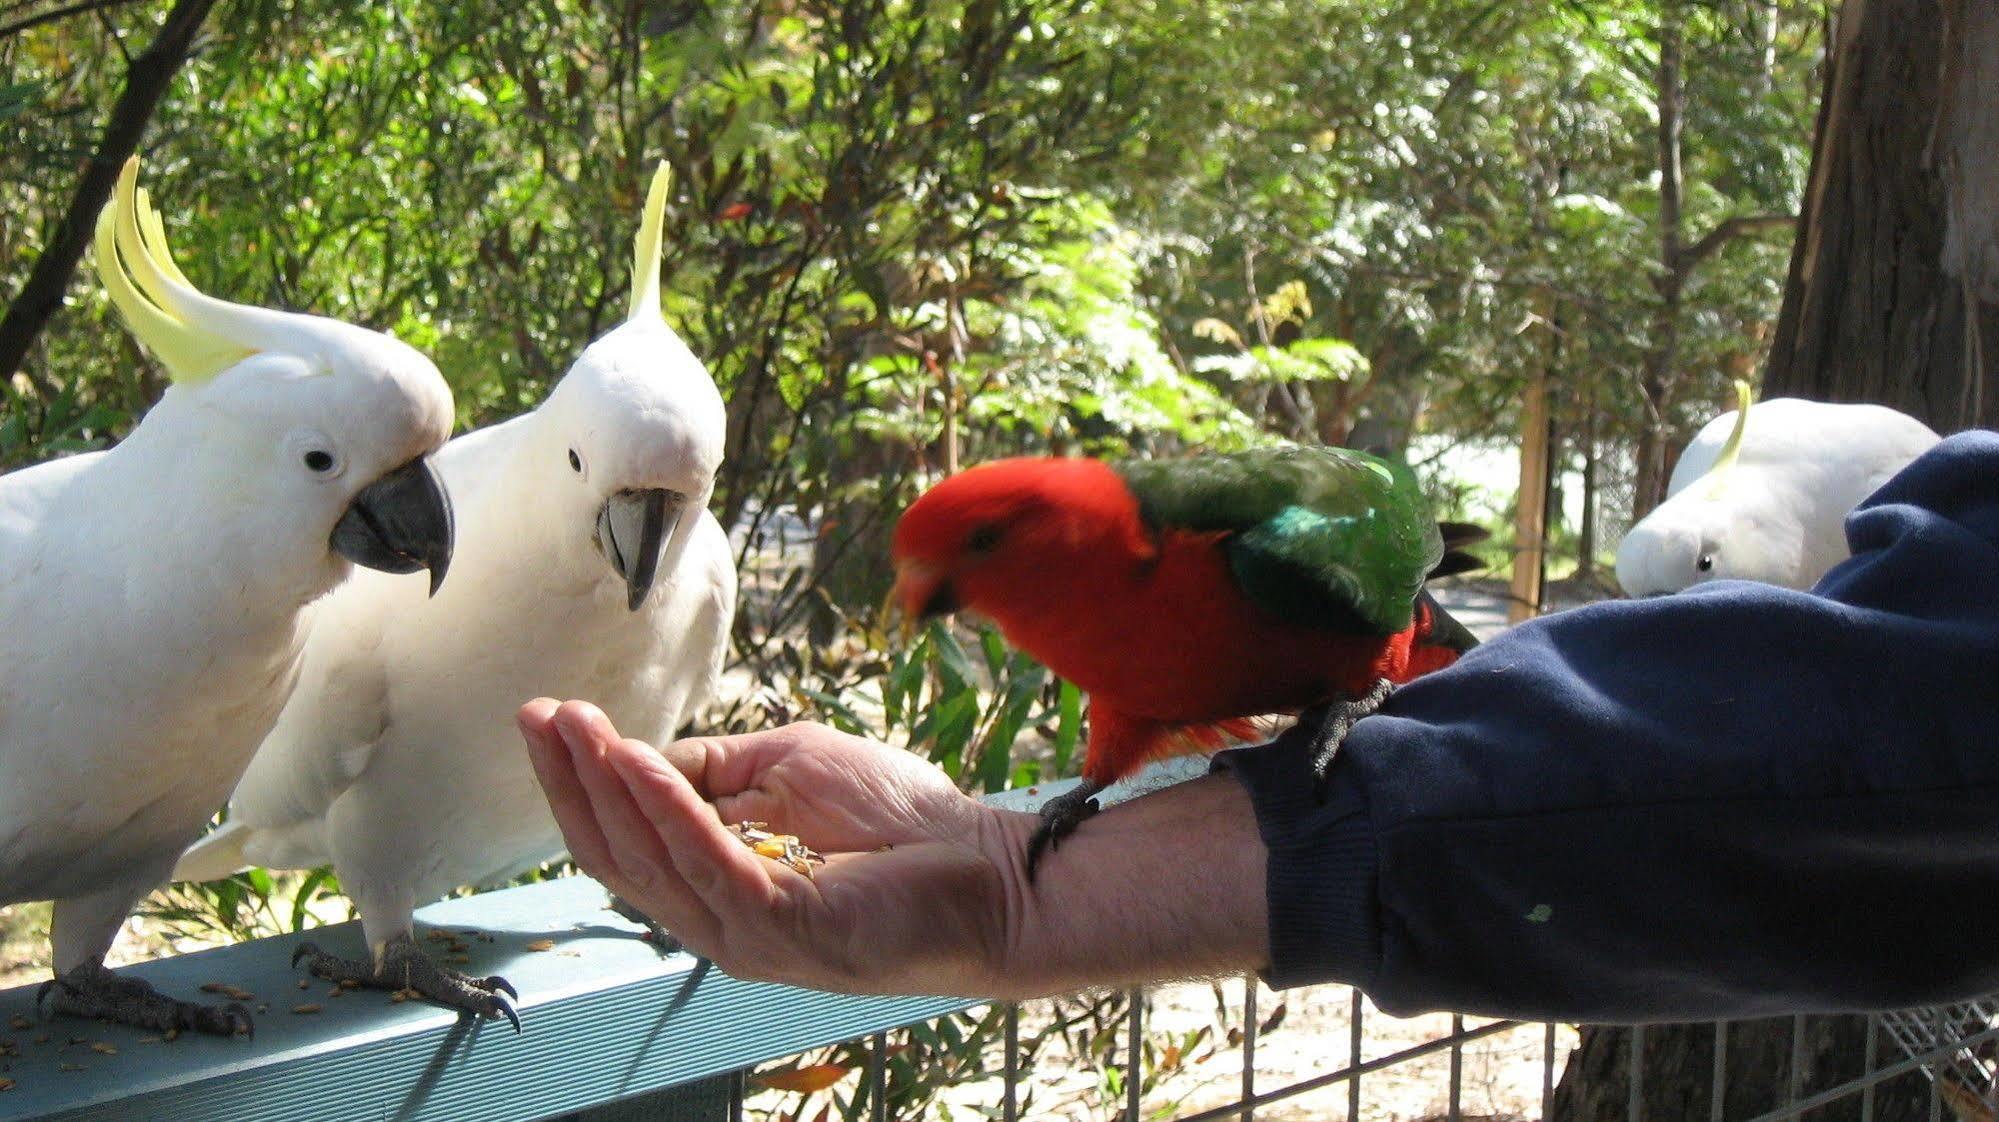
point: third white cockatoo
(1763, 492)
(154, 597)
(587, 566)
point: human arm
(1734, 801)
(1168, 885)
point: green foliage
(248, 905)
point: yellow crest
(1716, 479)
(645, 251)
(150, 291)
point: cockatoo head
(1733, 522)
(634, 431)
(315, 432)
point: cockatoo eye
(575, 462)
(315, 451)
(1706, 563)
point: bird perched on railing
(1762, 493)
(588, 566)
(153, 596)
(1188, 596)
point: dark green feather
(1325, 536)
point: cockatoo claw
(403, 968)
(93, 991)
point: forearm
(1169, 885)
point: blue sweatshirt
(1737, 801)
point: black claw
(236, 1019)
(507, 1011)
(1059, 818)
(42, 996)
(501, 984)
(302, 950)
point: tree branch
(55, 14)
(1727, 230)
(146, 82)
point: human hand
(920, 887)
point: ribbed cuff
(1320, 880)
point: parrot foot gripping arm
(1339, 720)
(90, 990)
(661, 939)
(403, 967)
(1059, 818)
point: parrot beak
(631, 528)
(922, 592)
(399, 523)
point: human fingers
(560, 785)
(731, 881)
(635, 864)
(633, 846)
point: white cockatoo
(154, 597)
(1763, 493)
(587, 566)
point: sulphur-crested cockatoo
(154, 597)
(1763, 493)
(587, 566)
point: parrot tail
(216, 855)
(1457, 536)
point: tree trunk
(1892, 279)
(1661, 377)
(1677, 1072)
(1586, 546)
(1895, 272)
(145, 83)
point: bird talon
(236, 1018)
(501, 985)
(42, 996)
(301, 951)
(501, 1008)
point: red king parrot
(1186, 597)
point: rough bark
(1677, 1072)
(152, 71)
(1895, 272)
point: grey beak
(631, 528)
(399, 523)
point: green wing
(1326, 536)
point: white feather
(397, 759)
(1778, 514)
(153, 603)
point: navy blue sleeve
(1736, 801)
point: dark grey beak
(942, 602)
(631, 529)
(399, 523)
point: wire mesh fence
(1137, 1060)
